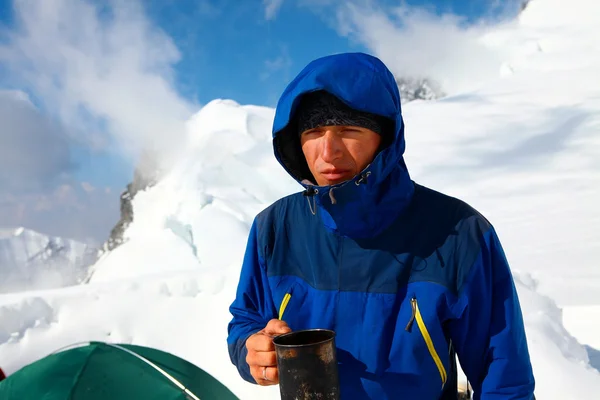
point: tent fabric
(116, 372)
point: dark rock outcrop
(418, 89)
(145, 175)
(31, 260)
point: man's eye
(312, 133)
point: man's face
(338, 153)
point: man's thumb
(277, 327)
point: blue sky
(231, 50)
(117, 73)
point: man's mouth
(334, 174)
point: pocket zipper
(416, 316)
(284, 303)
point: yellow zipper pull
(413, 303)
(284, 303)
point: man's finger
(260, 342)
(273, 375)
(260, 373)
(262, 358)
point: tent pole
(156, 367)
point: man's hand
(261, 353)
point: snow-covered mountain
(523, 149)
(30, 260)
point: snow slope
(31, 260)
(523, 149)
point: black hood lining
(288, 147)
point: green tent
(97, 370)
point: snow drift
(523, 149)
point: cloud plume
(101, 70)
(417, 42)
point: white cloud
(88, 187)
(105, 70)
(416, 42)
(37, 189)
(271, 8)
(101, 77)
(281, 63)
(207, 8)
(34, 151)
(67, 211)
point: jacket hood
(365, 205)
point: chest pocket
(301, 306)
(423, 331)
(417, 318)
(289, 300)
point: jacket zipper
(416, 316)
(413, 303)
(284, 303)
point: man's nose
(332, 146)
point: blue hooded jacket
(404, 275)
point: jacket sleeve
(489, 334)
(251, 308)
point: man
(407, 277)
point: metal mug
(307, 365)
